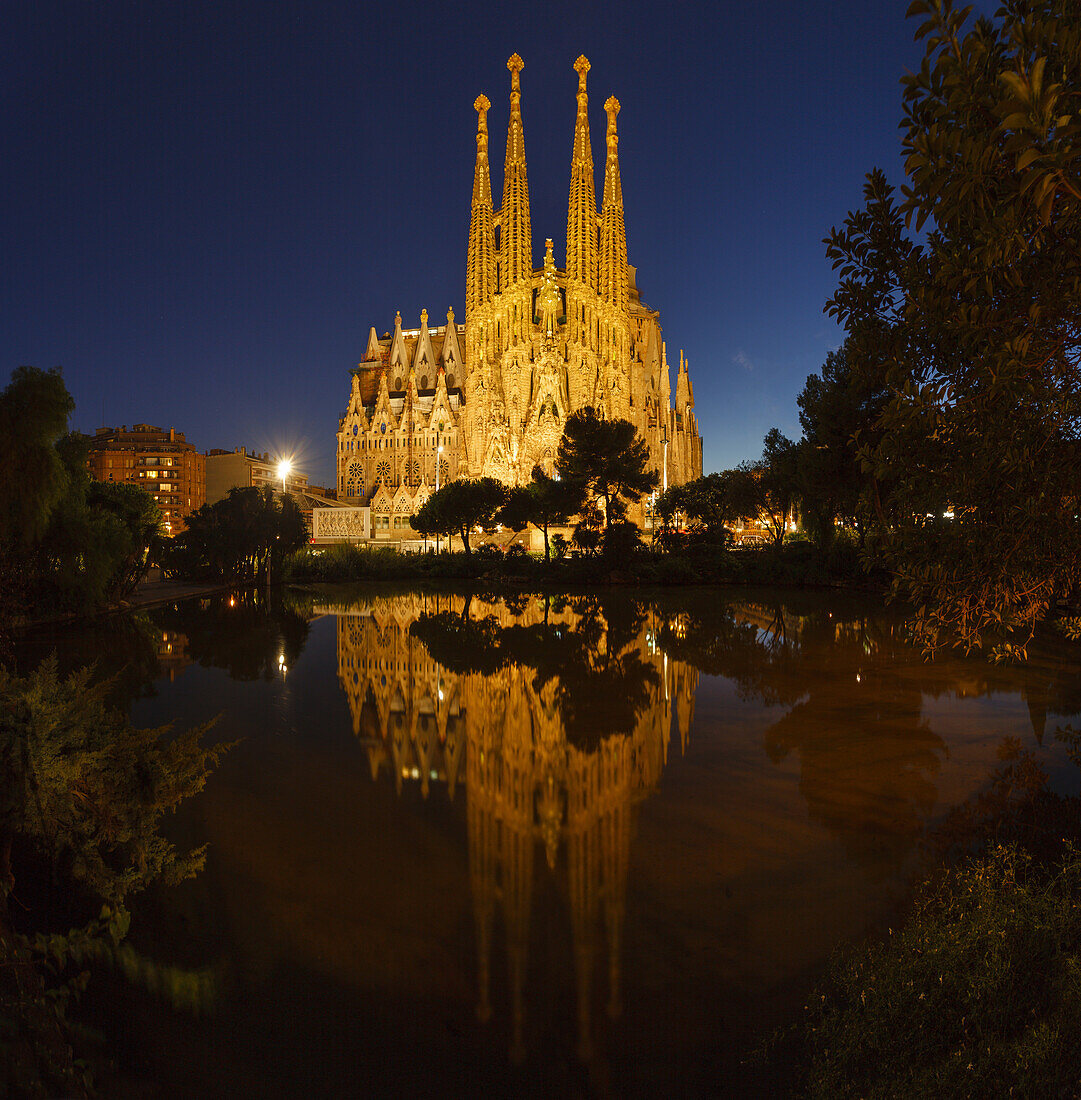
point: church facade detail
(490, 397)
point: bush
(978, 995)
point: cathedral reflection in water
(501, 730)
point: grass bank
(795, 565)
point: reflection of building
(526, 785)
(161, 462)
(490, 397)
(172, 652)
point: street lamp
(664, 440)
(438, 463)
(284, 469)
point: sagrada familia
(490, 397)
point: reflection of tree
(559, 714)
(601, 680)
(241, 633)
(854, 700)
(867, 761)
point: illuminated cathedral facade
(490, 397)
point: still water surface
(549, 846)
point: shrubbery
(978, 995)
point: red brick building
(159, 461)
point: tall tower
(480, 277)
(615, 333)
(581, 222)
(515, 251)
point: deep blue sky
(203, 207)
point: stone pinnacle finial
(611, 107)
(516, 65)
(481, 105)
(450, 315)
(423, 316)
(581, 67)
(398, 319)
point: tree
(67, 542)
(459, 506)
(544, 501)
(606, 460)
(706, 503)
(777, 479)
(839, 411)
(237, 538)
(34, 411)
(95, 548)
(83, 795)
(977, 332)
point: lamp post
(284, 469)
(438, 463)
(664, 441)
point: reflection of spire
(526, 783)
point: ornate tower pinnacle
(613, 265)
(516, 262)
(481, 259)
(582, 206)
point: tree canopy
(67, 542)
(239, 537)
(459, 506)
(605, 460)
(543, 501)
(976, 330)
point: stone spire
(613, 261)
(515, 254)
(582, 207)
(480, 265)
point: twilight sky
(206, 205)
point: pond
(587, 844)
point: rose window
(382, 472)
(354, 485)
(412, 474)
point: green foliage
(238, 538)
(34, 410)
(82, 798)
(976, 333)
(95, 546)
(67, 542)
(776, 479)
(708, 504)
(459, 506)
(601, 459)
(839, 411)
(543, 502)
(978, 995)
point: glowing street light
(285, 468)
(438, 463)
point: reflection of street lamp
(284, 469)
